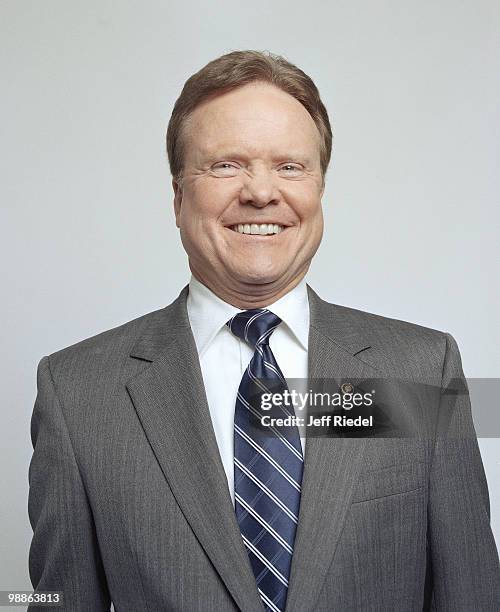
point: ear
(176, 186)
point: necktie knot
(254, 326)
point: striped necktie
(268, 463)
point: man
(149, 486)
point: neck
(246, 295)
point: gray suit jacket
(129, 502)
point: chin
(258, 276)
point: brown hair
(233, 70)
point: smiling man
(152, 487)
(248, 197)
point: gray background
(89, 239)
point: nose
(259, 188)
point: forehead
(253, 117)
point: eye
(224, 169)
(291, 169)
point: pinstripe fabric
(129, 500)
(268, 464)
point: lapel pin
(347, 387)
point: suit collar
(338, 323)
(162, 328)
(335, 322)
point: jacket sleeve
(465, 567)
(64, 554)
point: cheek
(306, 203)
(210, 198)
(195, 216)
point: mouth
(257, 229)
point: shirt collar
(208, 313)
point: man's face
(252, 157)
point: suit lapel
(170, 401)
(331, 465)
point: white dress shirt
(224, 357)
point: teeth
(262, 229)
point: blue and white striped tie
(268, 464)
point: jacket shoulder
(397, 346)
(111, 344)
(377, 324)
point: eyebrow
(233, 154)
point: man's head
(249, 143)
